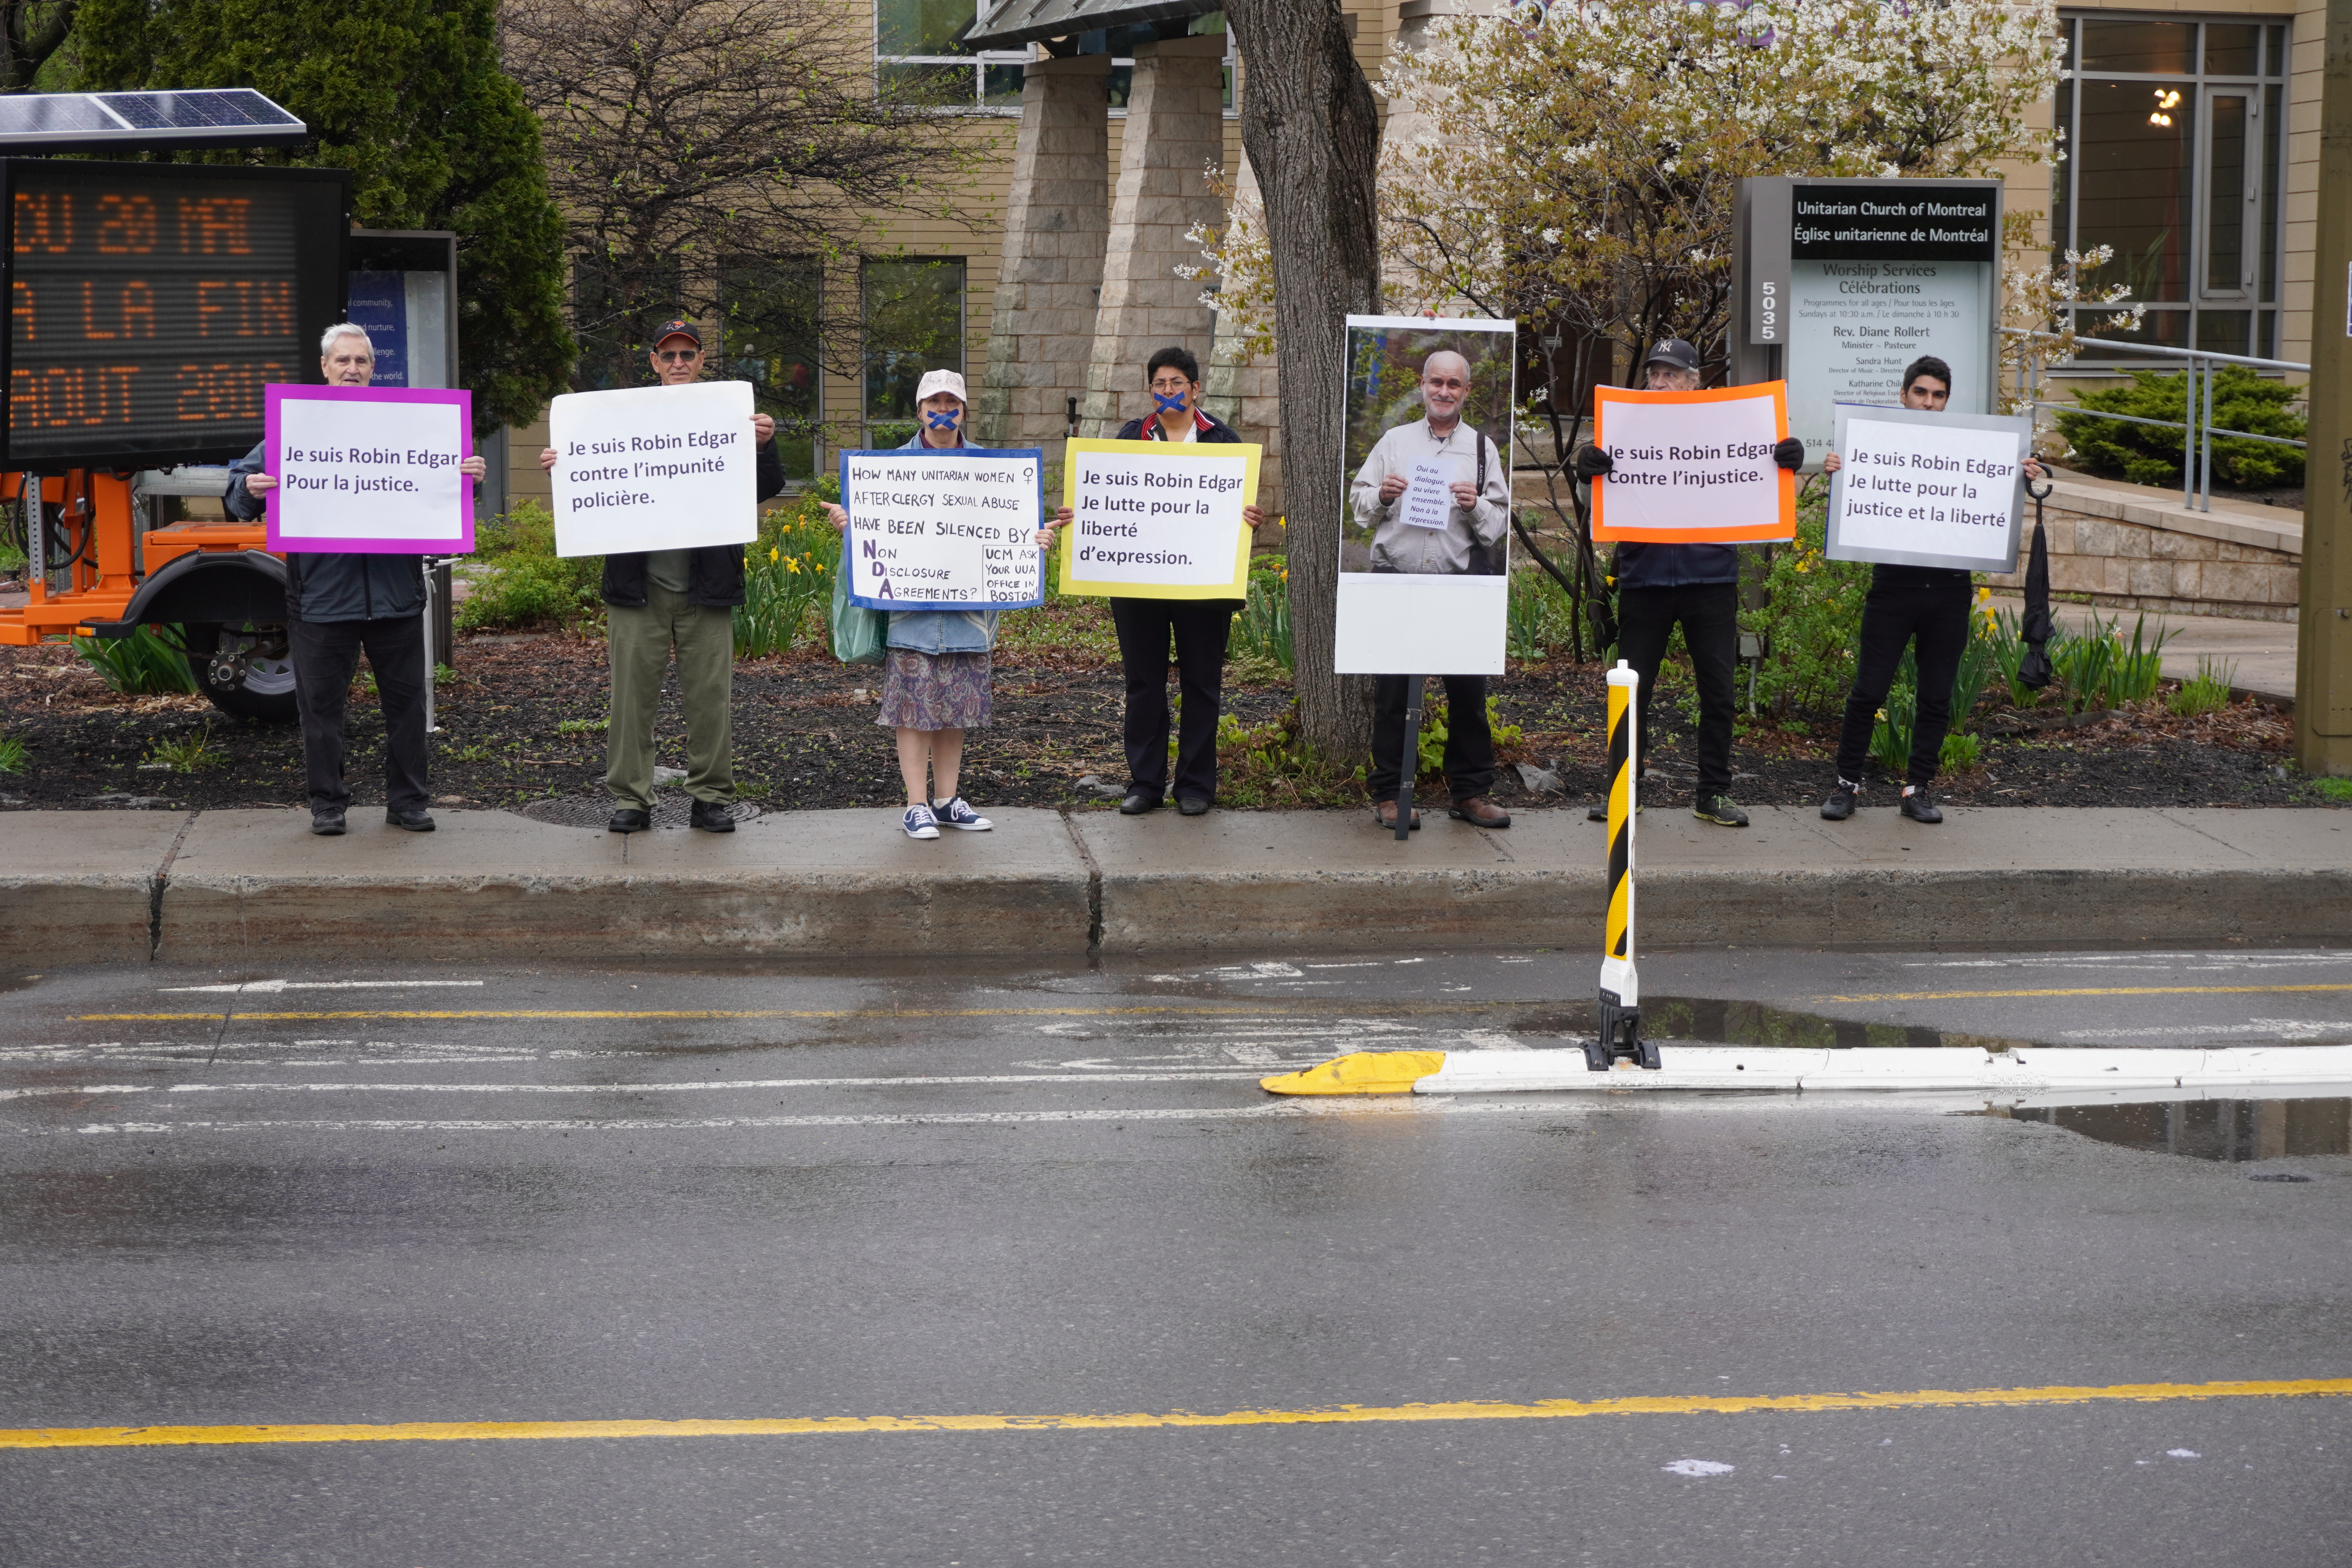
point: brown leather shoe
(1386, 811)
(1480, 812)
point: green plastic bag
(859, 634)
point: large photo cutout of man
(1424, 546)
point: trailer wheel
(247, 671)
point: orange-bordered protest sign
(1693, 468)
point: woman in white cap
(935, 676)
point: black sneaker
(1919, 806)
(1718, 809)
(1839, 804)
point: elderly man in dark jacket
(338, 604)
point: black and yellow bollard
(1621, 988)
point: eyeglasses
(678, 356)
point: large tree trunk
(1312, 132)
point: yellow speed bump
(1359, 1072)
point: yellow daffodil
(773, 552)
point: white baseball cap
(935, 382)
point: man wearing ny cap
(1695, 586)
(659, 600)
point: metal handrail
(2197, 442)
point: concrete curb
(254, 887)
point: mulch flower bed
(523, 719)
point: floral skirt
(934, 691)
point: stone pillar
(1175, 131)
(1041, 326)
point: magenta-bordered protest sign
(369, 470)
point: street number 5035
(1767, 311)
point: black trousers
(1199, 628)
(1938, 617)
(1469, 744)
(326, 656)
(1710, 616)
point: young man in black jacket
(1929, 603)
(684, 599)
(1696, 585)
(1199, 627)
(337, 603)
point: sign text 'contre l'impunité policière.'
(1829, 223)
(640, 458)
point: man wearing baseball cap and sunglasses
(684, 599)
(1695, 585)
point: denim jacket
(942, 631)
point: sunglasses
(678, 356)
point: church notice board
(1157, 520)
(1693, 468)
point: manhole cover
(670, 810)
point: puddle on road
(1717, 1022)
(2228, 1130)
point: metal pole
(2205, 460)
(1412, 754)
(2322, 684)
(1621, 988)
(2189, 436)
(430, 727)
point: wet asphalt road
(515, 1196)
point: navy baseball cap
(678, 328)
(1673, 352)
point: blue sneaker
(958, 813)
(919, 823)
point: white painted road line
(1200, 1075)
(270, 987)
(1284, 1111)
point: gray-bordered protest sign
(1918, 489)
(944, 528)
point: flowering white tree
(1575, 165)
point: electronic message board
(150, 304)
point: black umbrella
(2033, 670)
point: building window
(771, 322)
(920, 56)
(1119, 43)
(613, 309)
(2175, 135)
(914, 322)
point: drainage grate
(670, 810)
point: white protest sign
(1918, 489)
(1159, 517)
(655, 468)
(1693, 467)
(952, 530)
(1429, 494)
(362, 469)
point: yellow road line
(1205, 1009)
(1467, 1410)
(2082, 990)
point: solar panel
(143, 122)
(209, 110)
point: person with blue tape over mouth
(936, 676)
(1199, 627)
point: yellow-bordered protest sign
(1157, 520)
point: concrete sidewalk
(255, 888)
